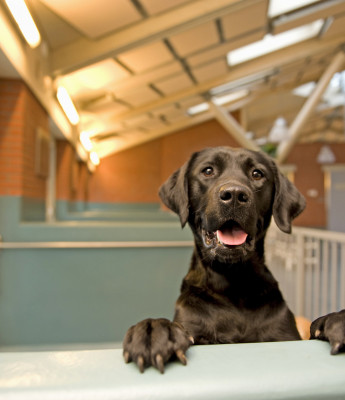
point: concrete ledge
(285, 370)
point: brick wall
(71, 175)
(20, 116)
(309, 175)
(136, 174)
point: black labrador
(228, 197)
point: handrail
(94, 245)
(320, 234)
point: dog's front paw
(330, 327)
(155, 342)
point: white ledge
(282, 370)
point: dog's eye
(208, 171)
(257, 174)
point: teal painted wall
(64, 296)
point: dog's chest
(223, 322)
(232, 325)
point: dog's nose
(233, 194)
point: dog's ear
(288, 202)
(174, 193)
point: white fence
(309, 265)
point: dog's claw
(126, 357)
(335, 348)
(141, 364)
(160, 363)
(181, 356)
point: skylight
(272, 43)
(279, 7)
(219, 101)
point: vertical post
(342, 277)
(300, 276)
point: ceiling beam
(86, 51)
(232, 127)
(296, 127)
(111, 147)
(268, 62)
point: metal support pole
(232, 126)
(295, 129)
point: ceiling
(133, 68)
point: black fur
(228, 295)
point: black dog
(228, 197)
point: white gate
(309, 265)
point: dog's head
(228, 197)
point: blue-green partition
(256, 371)
(51, 296)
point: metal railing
(309, 265)
(94, 245)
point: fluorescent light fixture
(199, 108)
(272, 43)
(230, 97)
(26, 24)
(85, 141)
(94, 158)
(279, 7)
(245, 81)
(67, 105)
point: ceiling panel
(158, 6)
(139, 96)
(137, 121)
(210, 71)
(245, 20)
(178, 116)
(147, 77)
(191, 101)
(96, 77)
(164, 110)
(153, 124)
(195, 39)
(107, 108)
(111, 15)
(174, 84)
(52, 23)
(146, 57)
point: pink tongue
(232, 237)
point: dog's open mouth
(230, 234)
